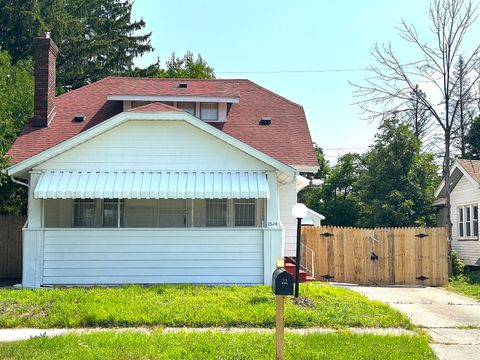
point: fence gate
(381, 256)
(11, 246)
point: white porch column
(273, 230)
(33, 238)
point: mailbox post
(282, 286)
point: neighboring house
(313, 219)
(464, 201)
(137, 180)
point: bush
(458, 267)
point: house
(313, 218)
(136, 180)
(464, 201)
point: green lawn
(468, 284)
(189, 305)
(111, 345)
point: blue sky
(249, 36)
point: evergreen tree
(96, 38)
(462, 106)
(472, 140)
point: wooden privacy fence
(383, 256)
(11, 246)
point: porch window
(468, 222)
(245, 212)
(113, 212)
(188, 107)
(216, 212)
(84, 213)
(209, 111)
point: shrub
(458, 267)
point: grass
(111, 345)
(468, 284)
(189, 306)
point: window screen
(245, 211)
(216, 212)
(188, 107)
(84, 213)
(113, 212)
(209, 111)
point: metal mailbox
(282, 282)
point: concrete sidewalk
(453, 321)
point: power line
(291, 71)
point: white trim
(186, 98)
(316, 214)
(439, 201)
(456, 165)
(301, 183)
(147, 116)
(306, 168)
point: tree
(16, 106)
(393, 81)
(472, 140)
(338, 193)
(417, 116)
(463, 117)
(96, 38)
(180, 68)
(309, 194)
(335, 197)
(396, 185)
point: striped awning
(66, 184)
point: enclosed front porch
(150, 234)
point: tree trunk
(446, 176)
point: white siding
(288, 198)
(150, 145)
(153, 256)
(464, 193)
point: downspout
(19, 182)
(16, 181)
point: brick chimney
(45, 54)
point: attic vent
(183, 85)
(265, 121)
(79, 118)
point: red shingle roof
(287, 139)
(472, 167)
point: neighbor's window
(188, 107)
(209, 111)
(468, 221)
(460, 221)
(475, 221)
(216, 212)
(245, 211)
(84, 212)
(113, 212)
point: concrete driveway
(453, 321)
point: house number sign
(272, 224)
